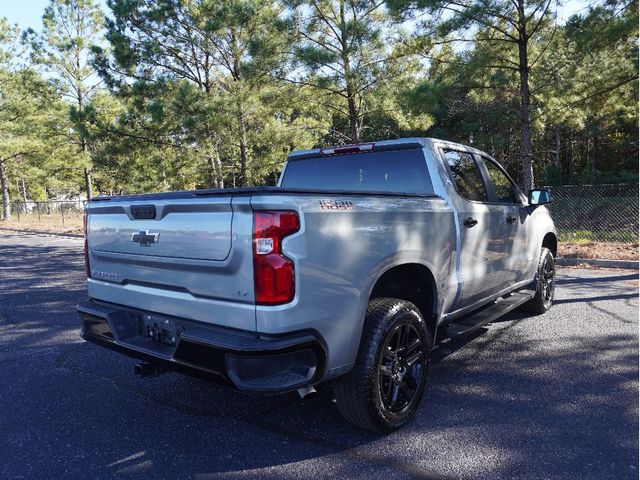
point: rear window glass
(395, 171)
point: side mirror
(539, 196)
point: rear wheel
(545, 284)
(386, 385)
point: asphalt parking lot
(548, 397)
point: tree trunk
(354, 122)
(4, 186)
(525, 119)
(216, 169)
(84, 147)
(556, 158)
(24, 192)
(87, 183)
(570, 160)
(242, 119)
(244, 152)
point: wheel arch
(413, 282)
(550, 241)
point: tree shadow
(508, 401)
(621, 296)
(567, 280)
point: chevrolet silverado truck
(344, 274)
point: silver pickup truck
(345, 274)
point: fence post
(62, 213)
(38, 208)
(18, 210)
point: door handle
(511, 219)
(470, 222)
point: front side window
(504, 189)
(466, 175)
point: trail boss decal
(336, 205)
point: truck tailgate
(188, 257)
(183, 229)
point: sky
(28, 13)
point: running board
(488, 314)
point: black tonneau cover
(244, 191)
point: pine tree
(222, 51)
(346, 50)
(70, 28)
(512, 24)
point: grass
(584, 237)
(46, 223)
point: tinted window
(466, 176)
(398, 171)
(505, 190)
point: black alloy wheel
(400, 369)
(385, 386)
(548, 280)
(544, 284)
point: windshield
(394, 171)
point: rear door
(482, 230)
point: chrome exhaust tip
(307, 392)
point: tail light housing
(273, 273)
(86, 246)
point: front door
(482, 231)
(504, 193)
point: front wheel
(545, 284)
(385, 387)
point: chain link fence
(53, 216)
(582, 213)
(596, 213)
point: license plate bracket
(160, 330)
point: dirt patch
(599, 250)
(41, 228)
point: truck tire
(545, 284)
(386, 384)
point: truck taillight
(273, 273)
(86, 247)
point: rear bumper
(249, 361)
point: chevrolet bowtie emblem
(144, 238)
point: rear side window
(466, 176)
(394, 171)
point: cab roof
(397, 144)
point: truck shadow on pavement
(504, 406)
(531, 397)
